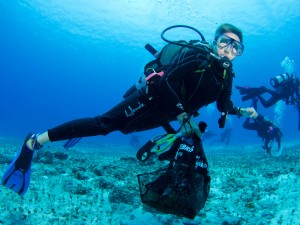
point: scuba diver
(182, 79)
(134, 140)
(286, 87)
(266, 130)
(182, 189)
(207, 135)
(224, 137)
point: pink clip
(161, 73)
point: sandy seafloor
(97, 184)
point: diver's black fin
(250, 93)
(242, 90)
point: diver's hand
(190, 126)
(248, 112)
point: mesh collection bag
(177, 196)
(180, 189)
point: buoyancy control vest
(155, 69)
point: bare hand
(249, 112)
(189, 127)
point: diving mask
(237, 47)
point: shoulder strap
(228, 75)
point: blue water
(61, 60)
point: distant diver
(208, 135)
(266, 130)
(134, 140)
(286, 88)
(225, 137)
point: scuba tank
(137, 86)
(276, 81)
(141, 82)
(162, 61)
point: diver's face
(229, 45)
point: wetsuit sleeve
(260, 119)
(232, 110)
(187, 62)
(248, 125)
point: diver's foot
(17, 175)
(32, 142)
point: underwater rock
(105, 183)
(98, 170)
(77, 189)
(232, 221)
(82, 176)
(45, 157)
(61, 169)
(60, 155)
(4, 159)
(121, 195)
(50, 172)
(128, 159)
(78, 168)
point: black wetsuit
(283, 92)
(194, 80)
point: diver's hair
(228, 28)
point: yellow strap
(224, 76)
(224, 73)
(163, 144)
(199, 71)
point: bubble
(288, 65)
(279, 112)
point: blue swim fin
(17, 175)
(71, 142)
